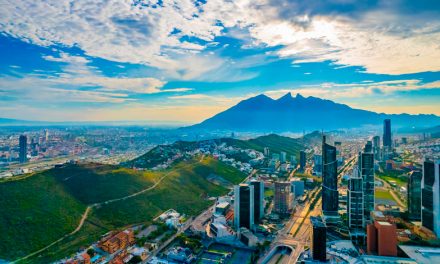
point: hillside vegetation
(276, 144)
(40, 209)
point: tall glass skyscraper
(330, 180)
(258, 200)
(414, 198)
(244, 206)
(431, 196)
(23, 148)
(387, 140)
(366, 167)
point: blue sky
(183, 61)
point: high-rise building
(355, 208)
(244, 206)
(283, 198)
(22, 155)
(387, 139)
(258, 200)
(366, 167)
(414, 187)
(330, 180)
(376, 147)
(283, 157)
(266, 152)
(355, 201)
(46, 135)
(297, 187)
(302, 160)
(431, 196)
(382, 238)
(318, 239)
(317, 164)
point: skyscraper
(355, 208)
(376, 147)
(318, 239)
(302, 160)
(355, 201)
(283, 157)
(317, 164)
(387, 140)
(414, 186)
(266, 152)
(366, 166)
(283, 199)
(244, 206)
(23, 148)
(258, 200)
(46, 135)
(330, 180)
(431, 196)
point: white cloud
(357, 90)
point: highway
(296, 232)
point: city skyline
(187, 61)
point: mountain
(288, 113)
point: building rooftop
(384, 223)
(422, 254)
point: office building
(355, 201)
(387, 138)
(283, 199)
(302, 160)
(330, 180)
(376, 147)
(23, 149)
(317, 164)
(414, 195)
(244, 206)
(431, 196)
(366, 167)
(318, 239)
(266, 152)
(283, 156)
(339, 158)
(355, 208)
(382, 238)
(46, 135)
(297, 187)
(258, 200)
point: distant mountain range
(295, 114)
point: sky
(184, 61)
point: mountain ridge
(288, 113)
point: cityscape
(219, 132)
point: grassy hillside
(33, 212)
(276, 144)
(42, 208)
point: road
(296, 232)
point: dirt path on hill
(90, 207)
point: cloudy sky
(187, 60)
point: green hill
(276, 144)
(38, 210)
